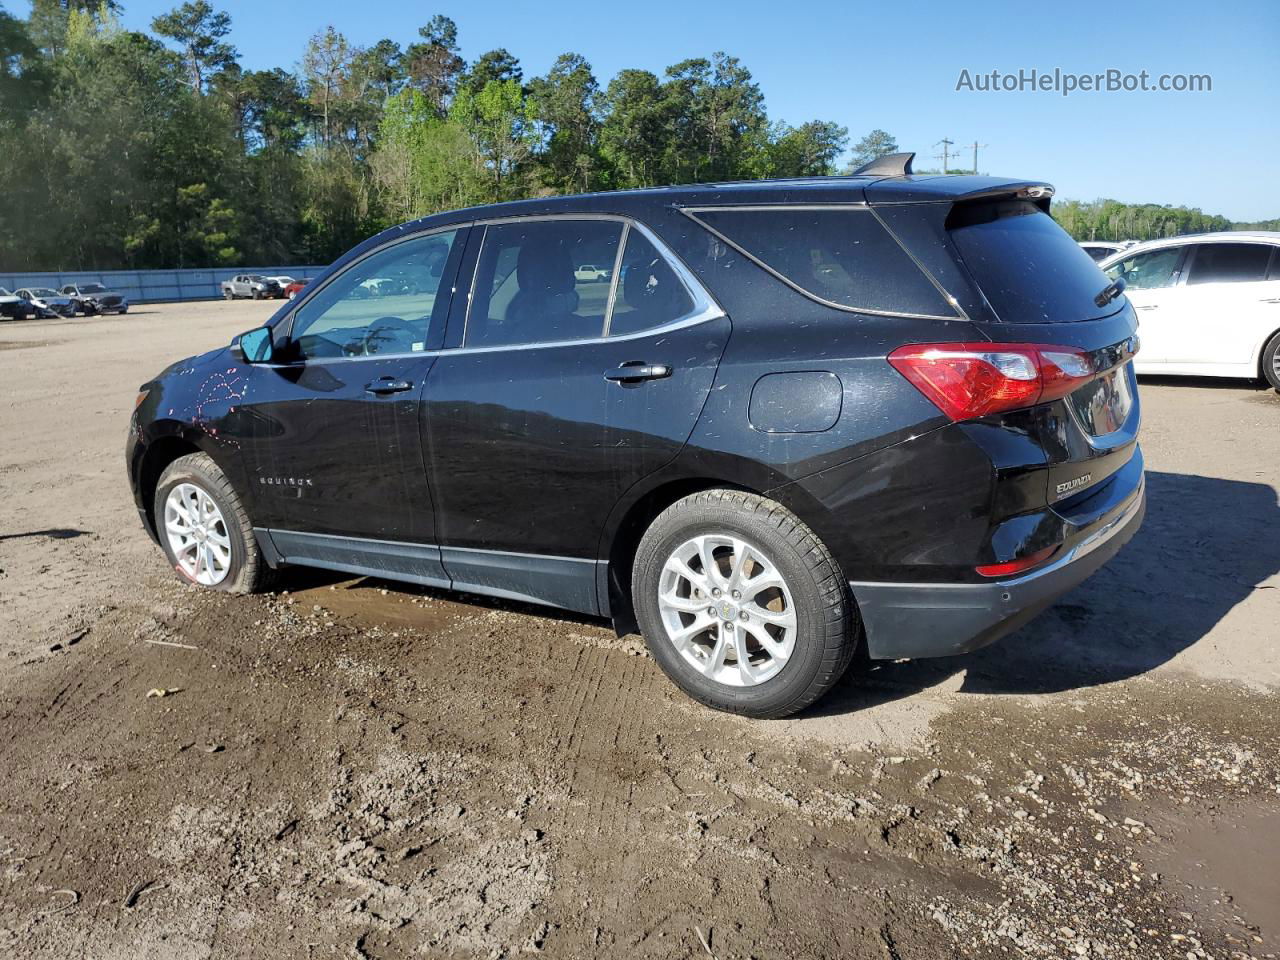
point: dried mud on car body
(359, 769)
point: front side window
(535, 282)
(383, 304)
(1148, 271)
(840, 256)
(1229, 263)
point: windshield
(43, 292)
(5, 293)
(92, 288)
(1028, 267)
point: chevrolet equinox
(796, 419)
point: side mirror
(254, 346)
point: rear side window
(1148, 271)
(1028, 267)
(649, 292)
(842, 256)
(536, 282)
(1229, 263)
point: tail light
(1012, 567)
(968, 380)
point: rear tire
(1271, 362)
(204, 530)
(228, 295)
(780, 629)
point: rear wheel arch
(1267, 373)
(626, 534)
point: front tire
(742, 605)
(204, 530)
(1271, 362)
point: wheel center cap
(727, 610)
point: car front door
(332, 424)
(1151, 284)
(558, 395)
(1227, 306)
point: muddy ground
(353, 768)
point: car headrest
(651, 286)
(544, 269)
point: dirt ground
(352, 768)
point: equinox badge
(1075, 484)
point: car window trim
(691, 213)
(705, 306)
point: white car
(1208, 304)
(1101, 249)
(589, 273)
(283, 281)
(48, 302)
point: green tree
(875, 144)
(496, 65)
(423, 163)
(564, 103)
(433, 66)
(718, 112)
(636, 131)
(501, 124)
(326, 63)
(199, 32)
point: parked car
(94, 298)
(296, 287)
(1209, 304)
(14, 307)
(282, 282)
(1099, 250)
(250, 285)
(48, 302)
(590, 272)
(796, 429)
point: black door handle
(385, 385)
(636, 370)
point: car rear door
(1224, 304)
(555, 395)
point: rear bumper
(917, 620)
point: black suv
(799, 417)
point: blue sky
(895, 66)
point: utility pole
(945, 144)
(976, 147)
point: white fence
(141, 286)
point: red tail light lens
(968, 380)
(1016, 566)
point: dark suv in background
(800, 416)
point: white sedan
(1208, 304)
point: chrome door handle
(636, 370)
(387, 385)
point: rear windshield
(1030, 270)
(840, 256)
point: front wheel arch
(1267, 372)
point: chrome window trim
(691, 213)
(705, 306)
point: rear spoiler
(913, 188)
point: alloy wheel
(727, 610)
(197, 534)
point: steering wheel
(384, 329)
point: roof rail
(890, 165)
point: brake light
(1016, 566)
(968, 380)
